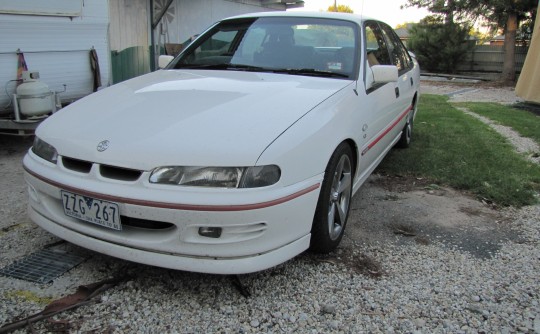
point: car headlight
(44, 150)
(218, 177)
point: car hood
(193, 118)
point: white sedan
(243, 152)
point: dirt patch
(414, 211)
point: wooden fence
(490, 58)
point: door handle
(397, 92)
(412, 82)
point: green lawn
(457, 150)
(525, 123)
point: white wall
(57, 47)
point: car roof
(326, 15)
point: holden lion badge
(102, 146)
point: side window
(376, 46)
(398, 53)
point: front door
(382, 105)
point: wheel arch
(415, 101)
(355, 152)
(335, 197)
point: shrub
(439, 46)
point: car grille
(77, 165)
(118, 173)
(110, 172)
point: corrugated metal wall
(57, 47)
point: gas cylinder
(34, 97)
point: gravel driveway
(416, 258)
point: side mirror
(164, 60)
(384, 73)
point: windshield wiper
(251, 68)
(310, 71)
(225, 66)
(243, 67)
(203, 66)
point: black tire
(334, 201)
(406, 133)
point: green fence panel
(130, 63)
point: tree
(480, 36)
(501, 14)
(445, 8)
(507, 14)
(524, 33)
(340, 9)
(405, 25)
(439, 46)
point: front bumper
(261, 227)
(232, 265)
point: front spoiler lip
(210, 265)
(175, 206)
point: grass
(29, 296)
(525, 123)
(457, 150)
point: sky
(385, 10)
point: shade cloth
(528, 85)
(21, 66)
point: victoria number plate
(92, 210)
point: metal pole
(152, 38)
(16, 111)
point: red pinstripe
(176, 206)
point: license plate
(92, 210)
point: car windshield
(292, 45)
